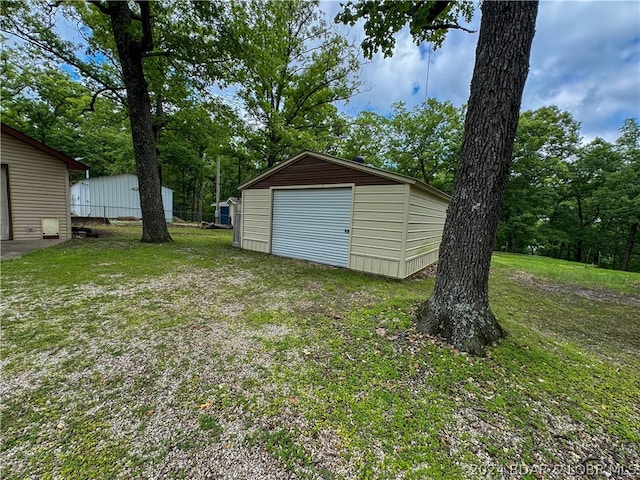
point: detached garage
(339, 212)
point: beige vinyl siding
(377, 229)
(38, 187)
(256, 220)
(425, 224)
(396, 221)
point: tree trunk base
(468, 328)
(156, 238)
(156, 232)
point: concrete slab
(16, 248)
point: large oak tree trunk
(130, 52)
(458, 309)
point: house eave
(73, 166)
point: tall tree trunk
(628, 249)
(579, 247)
(194, 203)
(274, 139)
(424, 171)
(458, 309)
(579, 243)
(130, 52)
(201, 201)
(271, 159)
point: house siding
(377, 229)
(425, 224)
(256, 220)
(38, 188)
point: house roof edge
(73, 165)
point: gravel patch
(578, 453)
(149, 388)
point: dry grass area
(197, 360)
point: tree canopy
(290, 68)
(428, 21)
(569, 199)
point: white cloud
(403, 77)
(394, 79)
(452, 66)
(585, 59)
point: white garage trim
(312, 224)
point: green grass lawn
(127, 360)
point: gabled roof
(73, 165)
(397, 177)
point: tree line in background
(565, 198)
(263, 85)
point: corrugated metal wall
(315, 171)
(115, 196)
(112, 197)
(80, 199)
(38, 187)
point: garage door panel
(312, 224)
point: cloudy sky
(585, 59)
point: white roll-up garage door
(312, 224)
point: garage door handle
(346, 230)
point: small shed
(222, 218)
(34, 189)
(115, 196)
(227, 211)
(339, 212)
